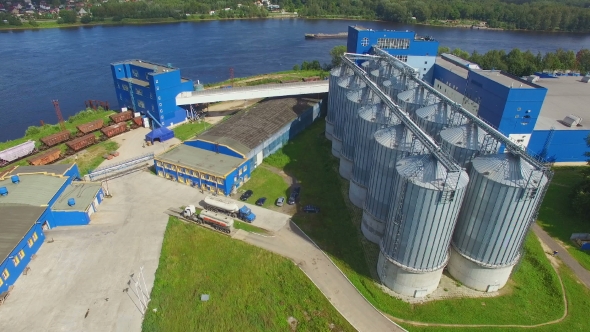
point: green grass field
(265, 183)
(556, 216)
(190, 130)
(250, 289)
(92, 157)
(249, 228)
(533, 296)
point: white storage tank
(389, 145)
(415, 246)
(349, 134)
(503, 194)
(370, 119)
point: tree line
(519, 63)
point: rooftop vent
(15, 179)
(3, 191)
(572, 120)
(71, 202)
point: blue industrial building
(418, 52)
(151, 90)
(542, 114)
(36, 198)
(221, 159)
(532, 112)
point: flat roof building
(222, 158)
(36, 198)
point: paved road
(581, 272)
(291, 242)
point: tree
(583, 60)
(296, 67)
(443, 49)
(581, 195)
(68, 16)
(336, 52)
(460, 53)
(85, 19)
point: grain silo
(413, 99)
(500, 205)
(436, 117)
(466, 142)
(389, 145)
(333, 103)
(415, 246)
(345, 85)
(399, 83)
(349, 134)
(384, 72)
(370, 119)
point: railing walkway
(121, 168)
(251, 92)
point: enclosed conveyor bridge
(251, 92)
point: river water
(73, 65)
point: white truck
(218, 221)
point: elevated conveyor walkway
(251, 92)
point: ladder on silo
(543, 153)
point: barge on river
(342, 35)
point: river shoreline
(128, 22)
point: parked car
(246, 195)
(260, 201)
(294, 195)
(311, 209)
(280, 201)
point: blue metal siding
(70, 218)
(449, 78)
(416, 47)
(521, 110)
(491, 95)
(8, 264)
(213, 147)
(564, 146)
(158, 100)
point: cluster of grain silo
(410, 167)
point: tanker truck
(221, 205)
(218, 221)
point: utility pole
(59, 116)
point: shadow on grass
(556, 215)
(308, 159)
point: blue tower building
(151, 90)
(418, 52)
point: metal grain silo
(349, 134)
(400, 83)
(500, 204)
(370, 119)
(384, 72)
(389, 145)
(436, 117)
(466, 142)
(411, 100)
(415, 246)
(345, 85)
(333, 103)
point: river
(73, 65)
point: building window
(35, 236)
(151, 96)
(220, 181)
(30, 242)
(395, 43)
(1, 282)
(15, 260)
(135, 73)
(5, 274)
(425, 62)
(139, 92)
(239, 171)
(125, 87)
(160, 173)
(141, 104)
(159, 163)
(245, 168)
(21, 254)
(365, 42)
